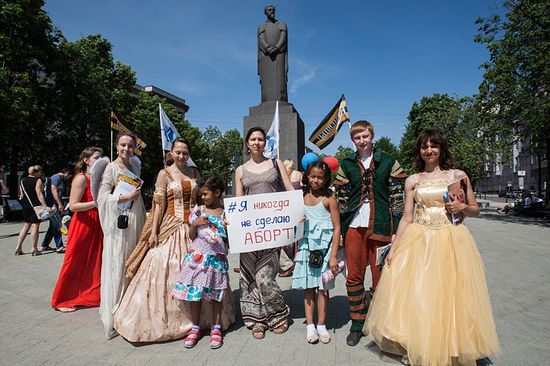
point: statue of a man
(272, 57)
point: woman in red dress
(80, 276)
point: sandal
(192, 337)
(216, 339)
(324, 338)
(66, 310)
(258, 331)
(281, 328)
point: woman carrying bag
(32, 199)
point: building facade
(526, 171)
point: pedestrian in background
(54, 191)
(30, 195)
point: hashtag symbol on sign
(232, 207)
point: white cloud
(305, 77)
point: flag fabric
(168, 132)
(118, 124)
(331, 124)
(191, 163)
(271, 150)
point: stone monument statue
(272, 57)
(273, 69)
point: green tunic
(382, 183)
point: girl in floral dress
(204, 275)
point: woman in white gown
(118, 243)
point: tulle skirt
(432, 303)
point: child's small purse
(316, 258)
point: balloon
(308, 159)
(332, 163)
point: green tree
(90, 84)
(144, 120)
(384, 143)
(27, 54)
(458, 120)
(515, 92)
(225, 154)
(343, 152)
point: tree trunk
(13, 182)
(547, 177)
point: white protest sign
(264, 221)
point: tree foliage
(28, 43)
(458, 120)
(384, 143)
(515, 92)
(343, 152)
(89, 85)
(224, 153)
(56, 97)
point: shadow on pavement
(523, 220)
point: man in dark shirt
(54, 191)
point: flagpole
(161, 132)
(349, 125)
(111, 144)
(277, 108)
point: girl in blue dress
(317, 249)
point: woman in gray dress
(262, 302)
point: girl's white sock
(310, 330)
(322, 329)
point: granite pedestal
(291, 128)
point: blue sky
(383, 55)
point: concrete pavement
(516, 254)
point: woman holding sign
(122, 217)
(431, 304)
(262, 303)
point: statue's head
(269, 11)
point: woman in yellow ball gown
(432, 305)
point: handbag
(316, 257)
(41, 212)
(280, 185)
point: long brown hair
(87, 153)
(436, 138)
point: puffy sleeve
(159, 197)
(194, 214)
(107, 202)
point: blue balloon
(308, 159)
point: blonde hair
(34, 169)
(289, 166)
(361, 126)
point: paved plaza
(516, 252)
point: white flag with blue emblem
(168, 131)
(271, 150)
